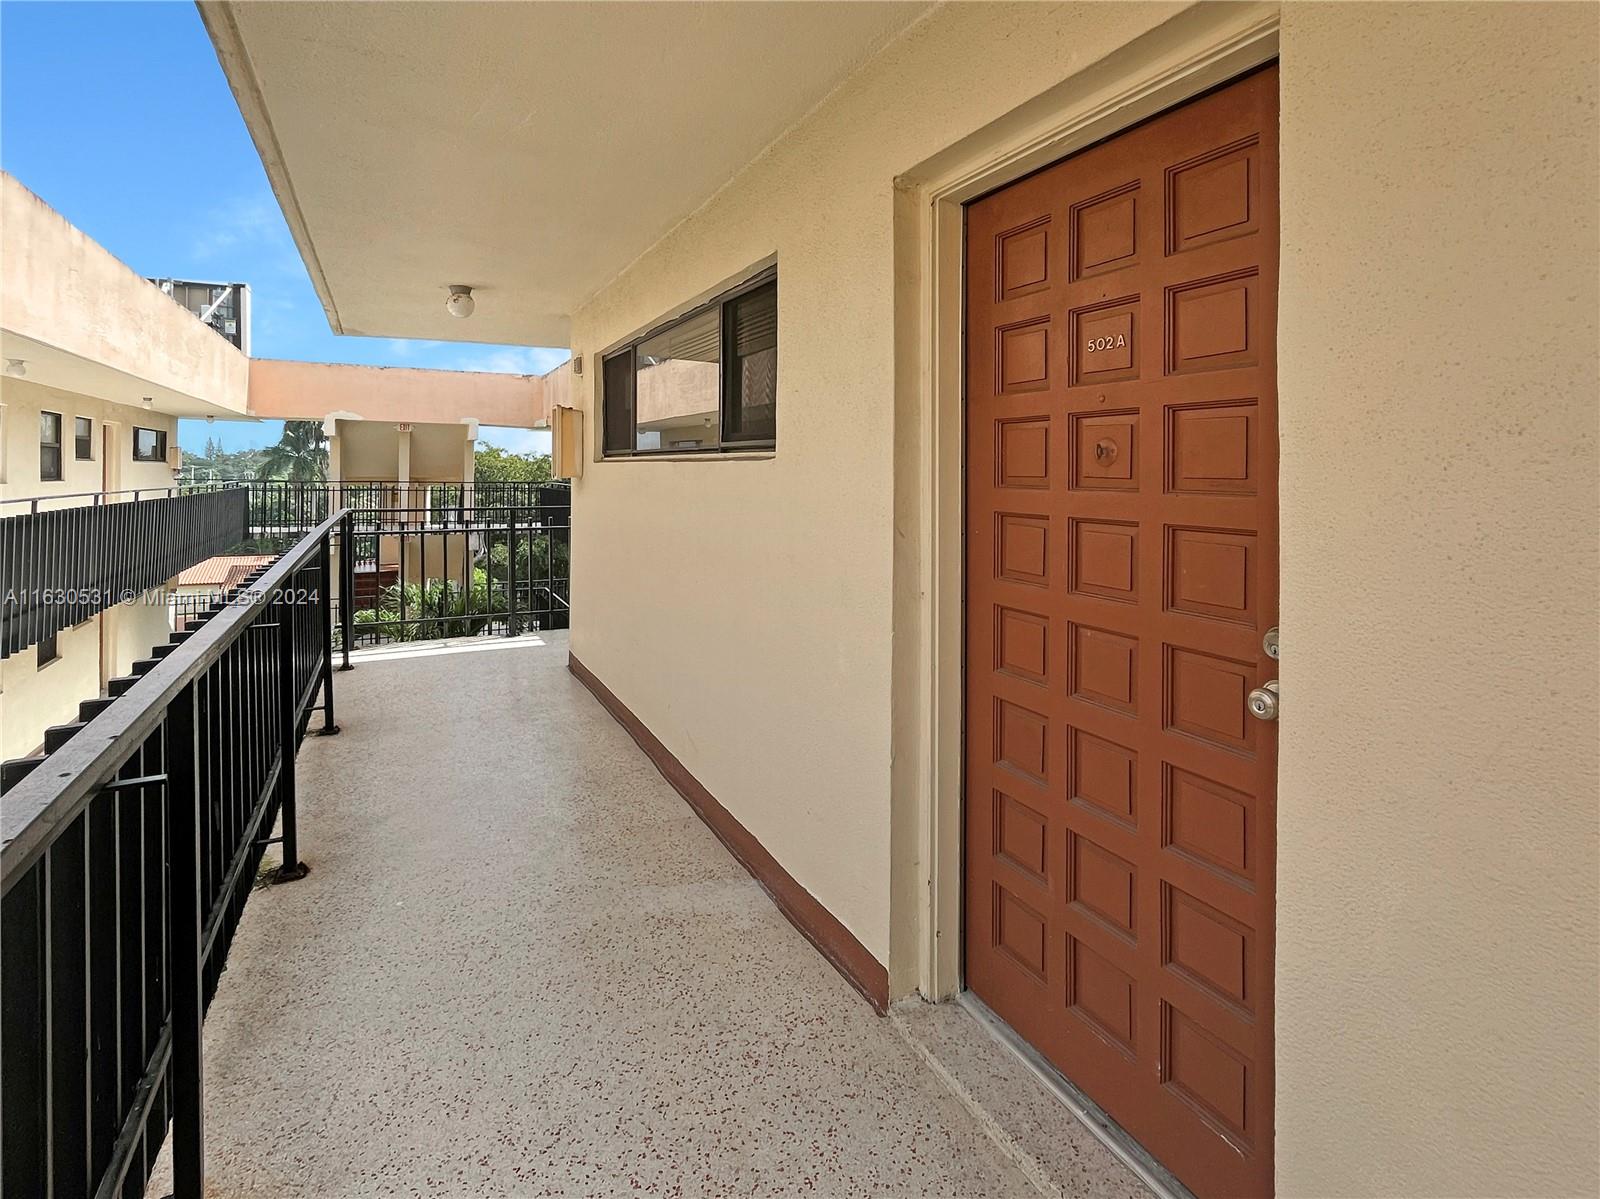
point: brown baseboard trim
(818, 925)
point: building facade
(1109, 341)
(99, 366)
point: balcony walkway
(522, 966)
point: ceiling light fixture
(16, 367)
(460, 304)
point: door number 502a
(1108, 342)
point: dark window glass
(83, 437)
(751, 406)
(149, 445)
(49, 447)
(617, 400)
(706, 382)
(47, 652)
(677, 384)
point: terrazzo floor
(522, 966)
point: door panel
(1122, 569)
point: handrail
(54, 795)
(165, 492)
(61, 566)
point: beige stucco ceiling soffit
(218, 16)
(532, 151)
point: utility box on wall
(566, 442)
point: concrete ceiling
(531, 151)
(50, 366)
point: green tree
(494, 465)
(301, 455)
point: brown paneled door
(1122, 571)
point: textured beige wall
(784, 564)
(23, 400)
(370, 449)
(1437, 968)
(61, 289)
(133, 630)
(32, 699)
(287, 390)
(1437, 902)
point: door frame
(110, 455)
(1196, 51)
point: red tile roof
(221, 572)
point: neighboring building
(192, 589)
(1106, 338)
(223, 306)
(98, 368)
(99, 365)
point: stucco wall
(1437, 902)
(1437, 939)
(286, 390)
(33, 699)
(22, 402)
(60, 288)
(134, 629)
(742, 608)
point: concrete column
(402, 471)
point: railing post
(511, 567)
(188, 1048)
(292, 868)
(347, 586)
(325, 612)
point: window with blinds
(706, 382)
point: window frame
(722, 304)
(45, 475)
(83, 443)
(161, 444)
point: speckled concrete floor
(522, 966)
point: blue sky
(118, 116)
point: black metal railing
(127, 851)
(280, 506)
(60, 566)
(506, 574)
(59, 501)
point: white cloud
(255, 222)
(510, 360)
(518, 441)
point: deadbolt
(1269, 643)
(1263, 701)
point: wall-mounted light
(210, 419)
(16, 367)
(148, 402)
(460, 304)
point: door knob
(1263, 701)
